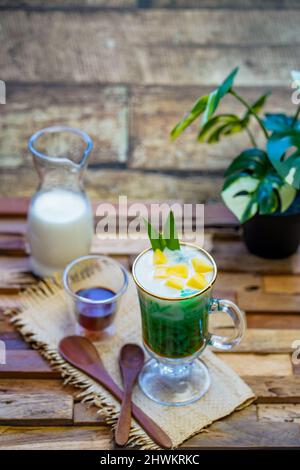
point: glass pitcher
(60, 217)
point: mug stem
(239, 321)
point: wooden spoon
(83, 355)
(131, 362)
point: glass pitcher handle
(239, 321)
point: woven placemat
(43, 318)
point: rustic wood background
(125, 71)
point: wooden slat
(296, 364)
(170, 4)
(129, 246)
(5, 326)
(256, 364)
(239, 430)
(239, 282)
(72, 4)
(13, 206)
(100, 111)
(273, 321)
(16, 264)
(225, 294)
(274, 389)
(62, 438)
(19, 386)
(281, 284)
(269, 390)
(258, 301)
(263, 412)
(85, 415)
(12, 226)
(147, 48)
(134, 184)
(216, 214)
(35, 408)
(13, 340)
(14, 274)
(219, 4)
(288, 413)
(12, 244)
(171, 28)
(232, 256)
(12, 279)
(242, 430)
(265, 341)
(26, 364)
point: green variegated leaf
(214, 124)
(232, 178)
(252, 161)
(259, 103)
(218, 126)
(287, 195)
(266, 197)
(215, 96)
(284, 154)
(217, 134)
(207, 104)
(239, 197)
(278, 122)
(190, 117)
(250, 210)
(215, 127)
(246, 194)
(228, 82)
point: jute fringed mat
(44, 318)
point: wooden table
(36, 412)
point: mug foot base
(174, 385)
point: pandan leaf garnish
(167, 238)
(170, 233)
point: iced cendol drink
(174, 316)
(174, 282)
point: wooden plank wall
(125, 71)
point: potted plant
(261, 185)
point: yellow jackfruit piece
(175, 283)
(178, 270)
(197, 281)
(201, 266)
(159, 257)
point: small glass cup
(94, 285)
(175, 333)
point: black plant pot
(274, 236)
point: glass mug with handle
(175, 331)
